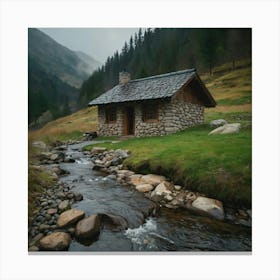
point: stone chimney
(124, 78)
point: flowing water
(168, 230)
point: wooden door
(129, 121)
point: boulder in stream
(113, 222)
(209, 206)
(70, 217)
(88, 227)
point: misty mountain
(69, 66)
(91, 63)
(55, 74)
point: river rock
(152, 179)
(43, 204)
(33, 249)
(69, 159)
(177, 187)
(144, 188)
(113, 222)
(40, 145)
(191, 196)
(59, 171)
(112, 177)
(161, 190)
(35, 239)
(168, 197)
(52, 211)
(122, 153)
(57, 241)
(70, 217)
(164, 188)
(210, 206)
(43, 227)
(217, 123)
(135, 179)
(88, 227)
(226, 129)
(176, 203)
(70, 195)
(78, 196)
(97, 150)
(54, 157)
(64, 205)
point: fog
(97, 42)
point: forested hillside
(162, 50)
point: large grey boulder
(217, 123)
(70, 217)
(227, 129)
(209, 206)
(57, 241)
(88, 227)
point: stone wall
(173, 116)
(110, 129)
(150, 128)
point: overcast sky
(97, 42)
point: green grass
(217, 165)
(106, 138)
(237, 101)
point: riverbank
(217, 165)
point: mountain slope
(56, 59)
(92, 64)
(55, 74)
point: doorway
(129, 121)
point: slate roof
(154, 87)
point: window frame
(147, 111)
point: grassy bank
(217, 165)
(38, 179)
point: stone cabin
(156, 105)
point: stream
(168, 230)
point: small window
(111, 115)
(150, 113)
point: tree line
(162, 50)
